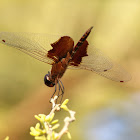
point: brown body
(58, 69)
(64, 53)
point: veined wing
(117, 73)
(33, 44)
(97, 62)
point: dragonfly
(62, 53)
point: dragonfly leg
(62, 90)
(59, 88)
(62, 86)
(54, 89)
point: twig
(67, 122)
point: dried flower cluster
(46, 128)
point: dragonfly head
(47, 80)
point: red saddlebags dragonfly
(64, 54)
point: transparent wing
(35, 45)
(97, 62)
(117, 73)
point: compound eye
(47, 81)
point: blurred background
(105, 110)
